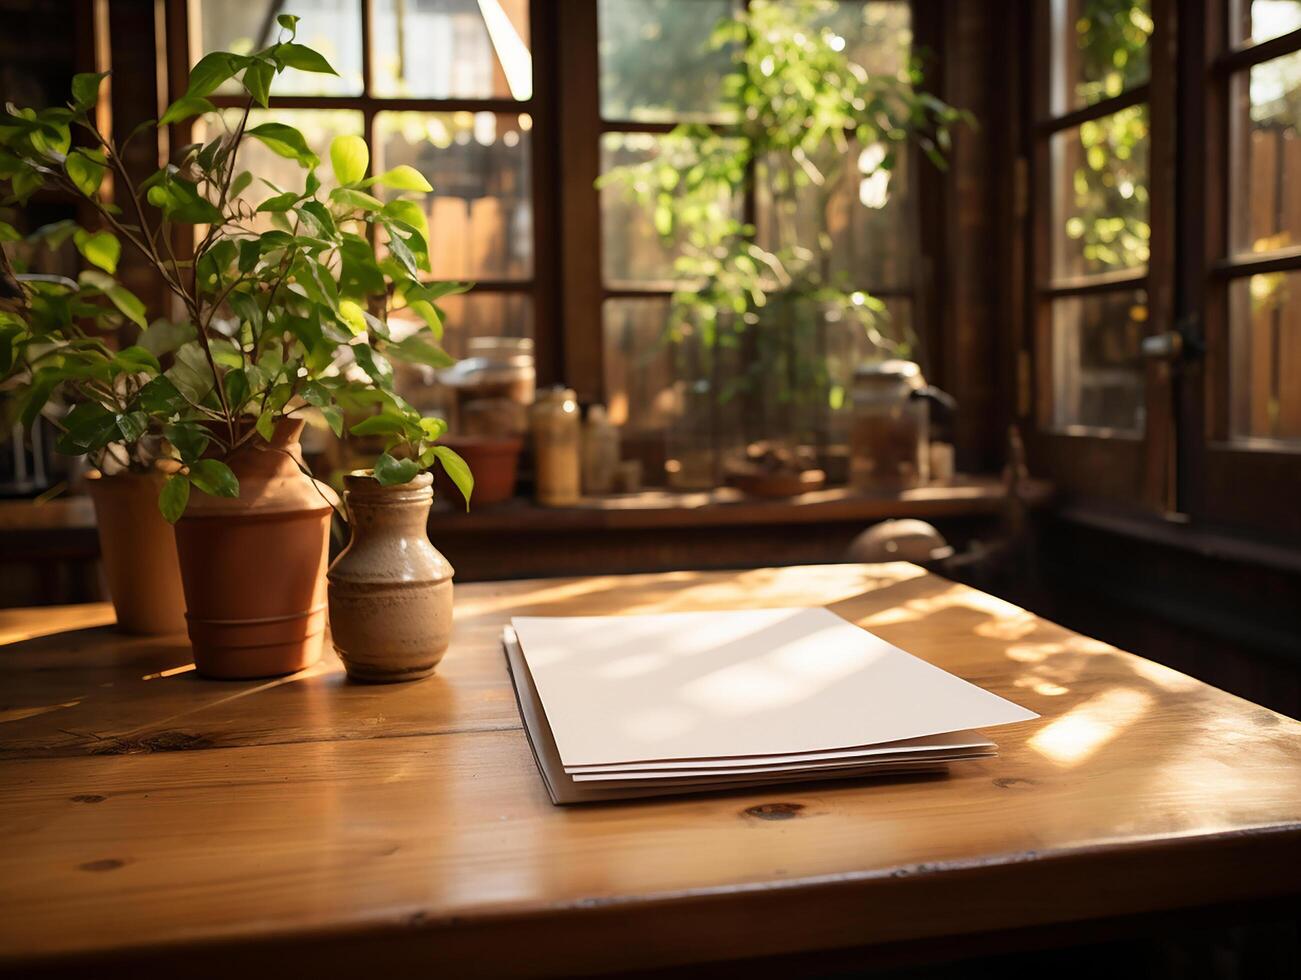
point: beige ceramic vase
(390, 590)
(138, 550)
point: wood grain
(320, 825)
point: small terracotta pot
(494, 463)
(390, 590)
(254, 567)
(138, 549)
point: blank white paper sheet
(730, 685)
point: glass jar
(557, 437)
(495, 385)
(888, 439)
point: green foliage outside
(796, 110)
(273, 321)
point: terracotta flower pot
(494, 461)
(254, 567)
(390, 589)
(138, 550)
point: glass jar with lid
(494, 386)
(888, 437)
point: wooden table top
(308, 823)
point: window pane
(318, 127)
(1265, 392)
(1100, 195)
(1100, 48)
(1097, 368)
(633, 253)
(866, 214)
(1260, 20)
(453, 49)
(656, 61)
(639, 363)
(481, 210)
(332, 27)
(1266, 186)
(878, 34)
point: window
(1093, 288)
(704, 388)
(445, 86)
(1245, 182)
(451, 88)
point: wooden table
(151, 819)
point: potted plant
(766, 328)
(282, 306)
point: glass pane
(1100, 49)
(878, 34)
(453, 49)
(1266, 152)
(787, 378)
(1099, 195)
(865, 214)
(481, 210)
(1260, 20)
(639, 368)
(1265, 392)
(318, 127)
(479, 313)
(1097, 368)
(633, 253)
(332, 27)
(656, 61)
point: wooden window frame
(1249, 483)
(1124, 467)
(540, 285)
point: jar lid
(891, 372)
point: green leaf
(160, 397)
(352, 316)
(101, 249)
(357, 200)
(191, 374)
(86, 169)
(237, 388)
(189, 439)
(376, 366)
(257, 82)
(85, 89)
(240, 184)
(398, 246)
(135, 359)
(303, 58)
(88, 426)
(214, 477)
(132, 425)
(285, 141)
(314, 393)
(402, 178)
(384, 424)
(185, 107)
(429, 313)
(391, 472)
(173, 498)
(349, 156)
(266, 425)
(278, 204)
(334, 416)
(415, 350)
(37, 394)
(211, 70)
(129, 304)
(163, 336)
(455, 467)
(288, 21)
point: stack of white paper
(627, 706)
